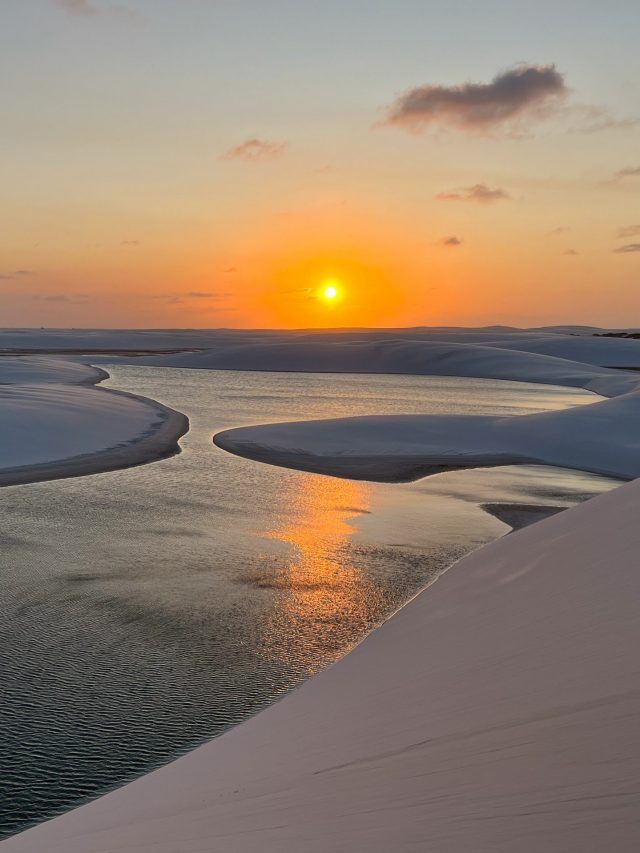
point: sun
(330, 290)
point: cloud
(570, 252)
(480, 193)
(129, 242)
(451, 241)
(15, 274)
(77, 7)
(555, 232)
(629, 231)
(88, 9)
(520, 93)
(231, 269)
(198, 294)
(254, 150)
(60, 297)
(629, 172)
(630, 247)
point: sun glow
(330, 290)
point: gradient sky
(205, 163)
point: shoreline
(159, 441)
(376, 469)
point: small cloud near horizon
(480, 193)
(629, 172)
(60, 297)
(129, 242)
(16, 274)
(254, 150)
(77, 7)
(570, 252)
(555, 232)
(629, 231)
(628, 249)
(231, 269)
(451, 241)
(200, 294)
(88, 9)
(524, 92)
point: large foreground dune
(498, 711)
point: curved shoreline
(158, 442)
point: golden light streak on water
(323, 585)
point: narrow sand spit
(497, 711)
(55, 424)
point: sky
(226, 163)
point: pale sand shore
(159, 442)
(58, 425)
(496, 712)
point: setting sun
(330, 291)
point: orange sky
(205, 167)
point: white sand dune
(54, 424)
(602, 438)
(575, 343)
(498, 711)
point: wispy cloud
(90, 8)
(630, 247)
(77, 7)
(480, 193)
(522, 93)
(129, 242)
(61, 297)
(629, 231)
(16, 274)
(629, 172)
(571, 252)
(180, 298)
(555, 232)
(451, 241)
(255, 149)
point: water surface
(146, 610)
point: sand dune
(55, 424)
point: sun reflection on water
(323, 592)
